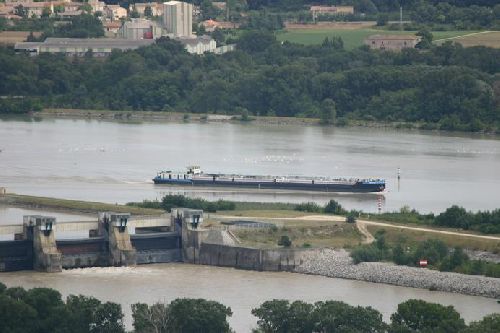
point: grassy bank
(414, 237)
(73, 206)
(303, 234)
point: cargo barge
(195, 177)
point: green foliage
(199, 315)
(382, 19)
(42, 310)
(148, 12)
(281, 316)
(151, 319)
(350, 218)
(173, 201)
(426, 42)
(328, 112)
(310, 207)
(420, 316)
(448, 86)
(366, 253)
(489, 324)
(285, 241)
(434, 251)
(333, 207)
(487, 222)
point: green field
(352, 38)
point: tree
(21, 11)
(151, 319)
(219, 36)
(453, 217)
(328, 112)
(256, 41)
(489, 324)
(134, 13)
(196, 315)
(46, 12)
(382, 19)
(148, 12)
(339, 317)
(85, 7)
(108, 318)
(426, 41)
(16, 316)
(274, 317)
(420, 316)
(285, 241)
(333, 207)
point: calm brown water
(114, 162)
(241, 290)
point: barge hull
(359, 188)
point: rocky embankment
(338, 264)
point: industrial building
(178, 18)
(97, 47)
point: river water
(114, 162)
(241, 290)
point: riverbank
(338, 264)
(71, 206)
(164, 116)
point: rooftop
(90, 43)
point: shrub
(285, 241)
(333, 207)
(351, 218)
(310, 207)
(366, 253)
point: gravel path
(338, 264)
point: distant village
(143, 23)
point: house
(392, 42)
(111, 28)
(331, 10)
(211, 25)
(115, 12)
(97, 6)
(140, 7)
(219, 5)
(80, 47)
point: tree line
(487, 222)
(41, 310)
(447, 87)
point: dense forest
(447, 87)
(43, 310)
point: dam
(113, 239)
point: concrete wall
(159, 256)
(249, 258)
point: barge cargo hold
(195, 177)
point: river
(114, 162)
(241, 290)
